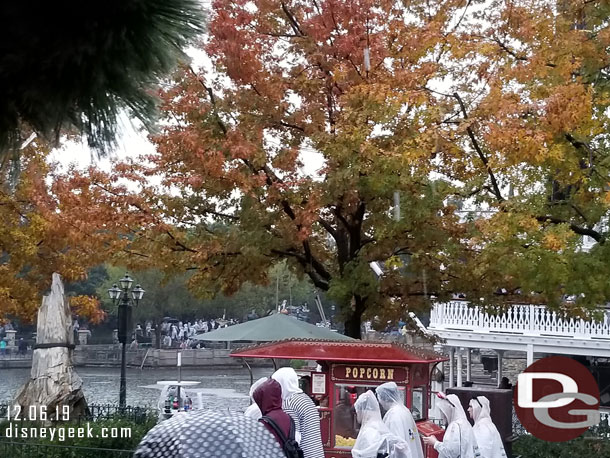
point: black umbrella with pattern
(209, 434)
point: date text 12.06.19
(38, 413)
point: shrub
(298, 363)
(594, 443)
(137, 431)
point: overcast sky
(133, 141)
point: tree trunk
(352, 326)
(53, 382)
(353, 321)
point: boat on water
(178, 397)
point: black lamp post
(121, 295)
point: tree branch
(509, 51)
(318, 280)
(580, 213)
(457, 25)
(291, 126)
(477, 148)
(512, 53)
(595, 235)
(293, 22)
(213, 212)
(180, 244)
(356, 229)
(279, 35)
(272, 178)
(328, 227)
(581, 146)
(340, 217)
(212, 100)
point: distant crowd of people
(174, 333)
(178, 334)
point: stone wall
(485, 373)
(110, 355)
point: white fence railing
(518, 319)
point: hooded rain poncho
(485, 432)
(253, 411)
(459, 440)
(374, 436)
(268, 397)
(303, 411)
(398, 418)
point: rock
(53, 381)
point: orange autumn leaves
(54, 223)
(495, 105)
(501, 102)
(33, 240)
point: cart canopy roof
(355, 351)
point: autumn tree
(463, 145)
(32, 245)
(48, 225)
(344, 80)
(527, 138)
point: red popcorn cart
(347, 369)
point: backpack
(290, 446)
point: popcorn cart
(346, 370)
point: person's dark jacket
(268, 397)
(344, 420)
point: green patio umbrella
(274, 327)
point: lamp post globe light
(120, 296)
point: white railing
(518, 319)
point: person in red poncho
(268, 397)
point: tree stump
(53, 381)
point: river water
(222, 388)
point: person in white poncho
(253, 410)
(485, 432)
(303, 411)
(459, 440)
(374, 438)
(398, 417)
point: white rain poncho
(288, 380)
(302, 410)
(459, 440)
(485, 432)
(398, 418)
(374, 435)
(253, 410)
